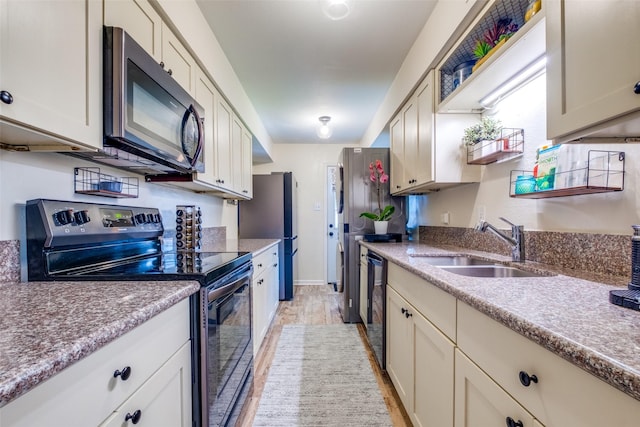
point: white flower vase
(380, 226)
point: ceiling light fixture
(336, 9)
(324, 131)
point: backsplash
(599, 253)
(9, 261)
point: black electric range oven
(95, 242)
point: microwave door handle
(191, 111)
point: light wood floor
(313, 305)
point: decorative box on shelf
(91, 181)
(510, 144)
(602, 172)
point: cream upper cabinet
(237, 130)
(396, 135)
(246, 189)
(206, 95)
(177, 61)
(593, 66)
(51, 74)
(223, 141)
(426, 148)
(139, 20)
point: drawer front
(87, 392)
(436, 305)
(564, 394)
(261, 262)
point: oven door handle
(227, 289)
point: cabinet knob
(135, 417)
(513, 423)
(124, 374)
(636, 89)
(7, 98)
(526, 379)
(162, 64)
(170, 72)
(406, 312)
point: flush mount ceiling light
(324, 131)
(336, 9)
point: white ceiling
(296, 64)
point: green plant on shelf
(500, 30)
(488, 129)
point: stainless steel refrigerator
(272, 213)
(356, 194)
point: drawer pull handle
(124, 374)
(135, 417)
(526, 379)
(513, 423)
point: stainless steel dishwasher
(376, 312)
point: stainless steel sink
(444, 260)
(490, 271)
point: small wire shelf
(602, 173)
(91, 181)
(510, 144)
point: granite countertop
(47, 326)
(569, 316)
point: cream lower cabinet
(157, 356)
(480, 402)
(420, 357)
(564, 395)
(51, 74)
(265, 294)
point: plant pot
(488, 55)
(380, 227)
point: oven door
(229, 356)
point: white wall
(25, 176)
(308, 163)
(610, 213)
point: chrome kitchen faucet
(516, 240)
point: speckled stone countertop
(569, 316)
(46, 327)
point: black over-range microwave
(146, 112)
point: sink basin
(490, 271)
(444, 260)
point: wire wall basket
(508, 145)
(91, 181)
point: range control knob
(140, 218)
(64, 217)
(149, 218)
(82, 217)
(157, 218)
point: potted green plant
(383, 215)
(488, 129)
(492, 38)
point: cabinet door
(396, 134)
(50, 63)
(433, 361)
(139, 20)
(593, 62)
(178, 61)
(164, 400)
(259, 310)
(410, 129)
(206, 96)
(247, 164)
(224, 116)
(400, 348)
(479, 402)
(425, 146)
(274, 283)
(237, 129)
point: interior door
(331, 234)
